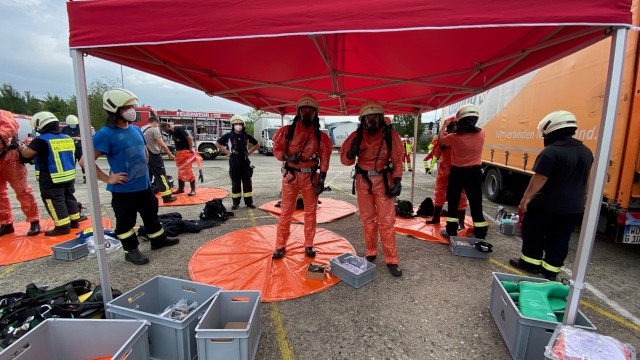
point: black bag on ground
(215, 210)
(426, 208)
(404, 209)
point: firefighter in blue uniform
(55, 172)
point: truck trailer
(510, 114)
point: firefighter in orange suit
(304, 150)
(377, 152)
(408, 150)
(14, 173)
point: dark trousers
(468, 179)
(545, 235)
(240, 172)
(159, 174)
(126, 207)
(78, 155)
(60, 203)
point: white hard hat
(114, 99)
(371, 107)
(71, 120)
(467, 110)
(557, 120)
(237, 119)
(308, 100)
(42, 119)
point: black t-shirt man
(180, 137)
(238, 142)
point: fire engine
(209, 126)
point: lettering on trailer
(201, 114)
(581, 134)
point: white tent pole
(90, 169)
(598, 174)
(415, 150)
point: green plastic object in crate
(169, 339)
(230, 329)
(81, 339)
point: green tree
(56, 105)
(12, 100)
(96, 89)
(403, 124)
(253, 115)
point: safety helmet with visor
(114, 99)
(42, 119)
(71, 120)
(557, 120)
(237, 120)
(371, 116)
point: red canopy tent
(412, 55)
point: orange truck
(510, 114)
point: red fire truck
(209, 126)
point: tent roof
(412, 55)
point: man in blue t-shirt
(128, 179)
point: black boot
(249, 202)
(523, 265)
(34, 229)
(168, 199)
(310, 251)
(461, 216)
(549, 275)
(371, 258)
(235, 205)
(6, 229)
(75, 224)
(59, 230)
(136, 257)
(435, 219)
(278, 254)
(193, 188)
(180, 187)
(395, 270)
(158, 244)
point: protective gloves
(200, 176)
(294, 159)
(354, 150)
(397, 187)
(320, 185)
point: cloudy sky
(35, 57)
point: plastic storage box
(463, 246)
(230, 328)
(357, 281)
(526, 338)
(70, 250)
(81, 339)
(169, 339)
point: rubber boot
(168, 199)
(193, 188)
(167, 241)
(249, 202)
(236, 204)
(136, 257)
(279, 253)
(435, 219)
(6, 229)
(180, 187)
(461, 216)
(59, 230)
(34, 229)
(395, 270)
(523, 265)
(310, 251)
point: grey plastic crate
(217, 343)
(463, 246)
(357, 281)
(81, 339)
(70, 250)
(169, 339)
(547, 350)
(525, 337)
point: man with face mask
(379, 152)
(240, 169)
(73, 131)
(128, 179)
(185, 157)
(304, 150)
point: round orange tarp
(203, 194)
(418, 228)
(329, 210)
(241, 260)
(19, 247)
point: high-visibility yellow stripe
(156, 234)
(37, 174)
(49, 204)
(551, 268)
(166, 186)
(62, 222)
(126, 235)
(64, 176)
(450, 219)
(236, 195)
(247, 194)
(531, 260)
(480, 224)
(75, 216)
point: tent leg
(416, 118)
(598, 174)
(90, 170)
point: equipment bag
(404, 209)
(426, 208)
(215, 210)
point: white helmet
(557, 120)
(467, 110)
(42, 119)
(371, 107)
(308, 100)
(71, 120)
(114, 99)
(237, 119)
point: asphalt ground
(438, 309)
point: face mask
(371, 123)
(237, 128)
(129, 115)
(306, 121)
(307, 114)
(72, 126)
